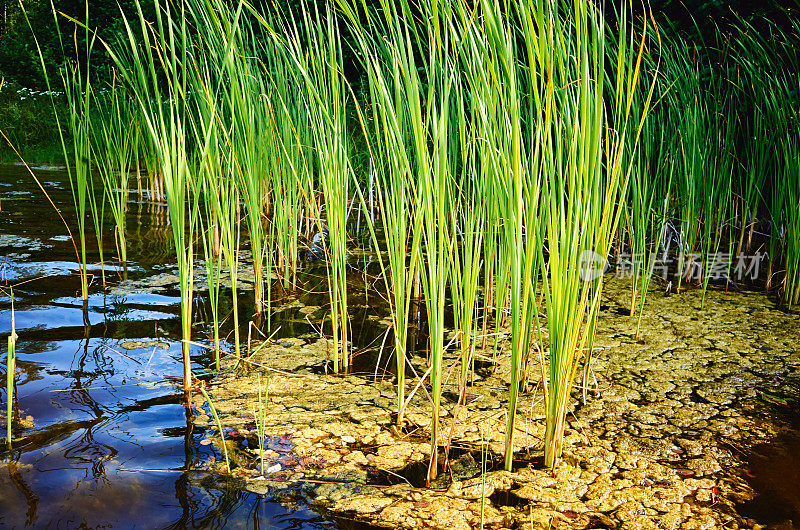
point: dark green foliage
(19, 59)
(28, 122)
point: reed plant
(208, 224)
(76, 145)
(430, 128)
(650, 183)
(585, 179)
(506, 144)
(385, 132)
(791, 90)
(11, 368)
(237, 104)
(251, 145)
(289, 167)
(260, 418)
(159, 75)
(418, 68)
(316, 53)
(226, 200)
(223, 445)
(502, 93)
(212, 259)
(791, 152)
(113, 152)
(468, 216)
(718, 195)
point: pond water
(110, 442)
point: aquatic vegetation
(76, 147)
(10, 373)
(223, 445)
(155, 73)
(584, 171)
(385, 125)
(791, 150)
(511, 151)
(113, 150)
(260, 419)
(212, 255)
(316, 53)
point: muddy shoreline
(669, 435)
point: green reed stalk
(758, 166)
(260, 418)
(219, 426)
(585, 173)
(718, 197)
(430, 128)
(241, 111)
(468, 213)
(208, 220)
(650, 182)
(11, 368)
(77, 153)
(113, 151)
(496, 86)
(424, 130)
(228, 222)
(251, 138)
(780, 92)
(213, 262)
(78, 94)
(761, 59)
(701, 114)
(683, 115)
(289, 165)
(791, 152)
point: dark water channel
(110, 442)
(773, 471)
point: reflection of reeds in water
(151, 242)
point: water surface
(111, 443)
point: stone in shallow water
(136, 345)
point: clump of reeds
(509, 146)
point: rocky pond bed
(673, 432)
